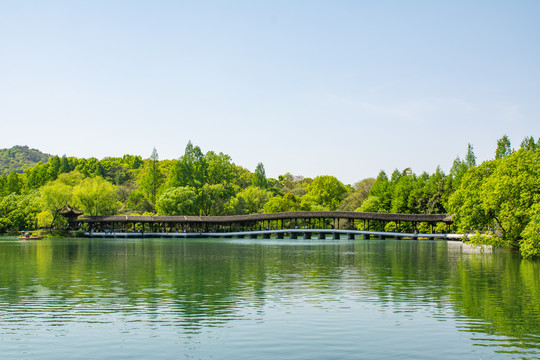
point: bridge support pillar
(293, 236)
(322, 236)
(266, 236)
(350, 236)
(337, 236)
(307, 235)
(279, 235)
(252, 236)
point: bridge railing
(278, 233)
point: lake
(246, 299)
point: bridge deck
(433, 218)
(336, 233)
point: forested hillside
(19, 158)
(197, 183)
(499, 198)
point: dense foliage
(499, 198)
(197, 183)
(503, 197)
(18, 158)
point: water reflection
(194, 286)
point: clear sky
(343, 88)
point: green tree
(503, 148)
(250, 200)
(190, 169)
(56, 194)
(530, 237)
(382, 189)
(259, 177)
(152, 178)
(36, 176)
(96, 196)
(177, 201)
(115, 170)
(439, 196)
(285, 203)
(18, 212)
(528, 143)
(470, 158)
(359, 193)
(133, 162)
(14, 183)
(371, 204)
(501, 196)
(220, 169)
(460, 167)
(54, 167)
(65, 166)
(403, 186)
(324, 192)
(213, 199)
(243, 177)
(467, 203)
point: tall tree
(528, 143)
(14, 183)
(380, 195)
(152, 178)
(470, 158)
(219, 169)
(65, 166)
(190, 169)
(54, 167)
(503, 148)
(259, 177)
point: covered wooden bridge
(278, 223)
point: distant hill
(19, 158)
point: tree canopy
(499, 198)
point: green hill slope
(19, 158)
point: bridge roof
(271, 216)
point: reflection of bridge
(299, 223)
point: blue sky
(343, 88)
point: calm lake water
(246, 299)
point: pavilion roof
(69, 211)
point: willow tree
(96, 196)
(56, 194)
